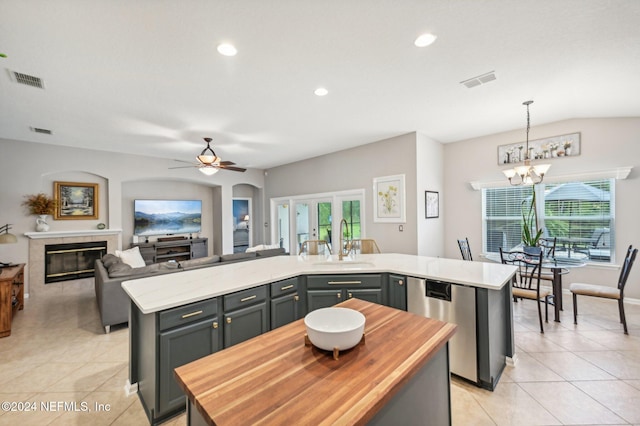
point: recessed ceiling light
(321, 91)
(227, 49)
(425, 40)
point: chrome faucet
(341, 252)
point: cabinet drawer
(343, 281)
(245, 297)
(187, 314)
(284, 287)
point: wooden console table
(11, 295)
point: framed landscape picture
(389, 199)
(76, 200)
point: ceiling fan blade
(235, 169)
(227, 163)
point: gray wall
(355, 169)
(605, 144)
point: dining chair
(526, 281)
(616, 293)
(465, 249)
(315, 247)
(548, 246)
(364, 246)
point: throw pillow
(119, 269)
(109, 259)
(132, 257)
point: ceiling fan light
(227, 49)
(208, 170)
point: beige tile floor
(584, 374)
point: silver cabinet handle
(248, 298)
(344, 282)
(286, 287)
(192, 314)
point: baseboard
(130, 389)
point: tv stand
(175, 249)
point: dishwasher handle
(438, 290)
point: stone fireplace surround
(37, 241)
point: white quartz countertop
(156, 293)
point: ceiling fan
(209, 163)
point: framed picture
(431, 204)
(389, 199)
(76, 200)
(555, 147)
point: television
(167, 217)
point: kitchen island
(398, 375)
(178, 318)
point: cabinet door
(244, 324)
(369, 294)
(199, 248)
(317, 299)
(398, 292)
(178, 347)
(285, 309)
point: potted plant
(530, 232)
(41, 205)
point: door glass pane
(324, 221)
(283, 226)
(351, 212)
(302, 223)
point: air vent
(481, 79)
(27, 79)
(39, 130)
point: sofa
(111, 272)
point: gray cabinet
(397, 291)
(163, 251)
(181, 346)
(287, 305)
(327, 290)
(245, 315)
(165, 340)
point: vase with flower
(41, 205)
(567, 147)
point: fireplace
(71, 261)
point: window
(579, 214)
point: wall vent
(27, 79)
(478, 80)
(40, 130)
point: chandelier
(528, 174)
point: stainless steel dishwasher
(454, 304)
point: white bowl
(330, 328)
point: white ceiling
(144, 76)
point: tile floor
(584, 374)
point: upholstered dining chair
(365, 246)
(315, 247)
(526, 281)
(465, 249)
(615, 293)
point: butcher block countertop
(275, 379)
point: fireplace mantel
(66, 234)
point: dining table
(559, 266)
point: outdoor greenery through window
(579, 214)
(350, 212)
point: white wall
(605, 144)
(355, 169)
(429, 176)
(28, 168)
